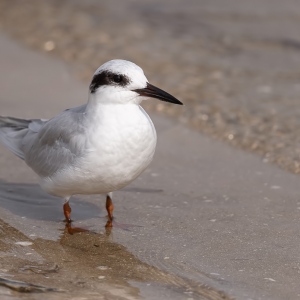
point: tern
(95, 148)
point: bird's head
(121, 81)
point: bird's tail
(12, 132)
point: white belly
(119, 149)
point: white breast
(120, 144)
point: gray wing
(13, 131)
(56, 143)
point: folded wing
(46, 145)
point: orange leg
(67, 212)
(69, 228)
(110, 209)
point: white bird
(95, 148)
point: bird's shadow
(30, 201)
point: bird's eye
(117, 78)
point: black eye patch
(108, 78)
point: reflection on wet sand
(86, 263)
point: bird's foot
(69, 221)
(72, 230)
(109, 224)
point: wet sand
(86, 264)
(234, 64)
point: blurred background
(234, 64)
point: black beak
(154, 92)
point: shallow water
(29, 201)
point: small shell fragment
(24, 244)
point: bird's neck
(97, 107)
(94, 104)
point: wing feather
(55, 144)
